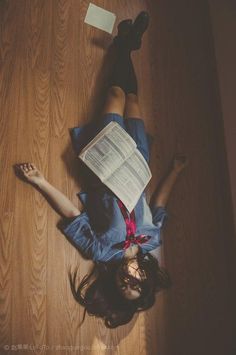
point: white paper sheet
(100, 18)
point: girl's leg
(132, 108)
(115, 101)
(135, 127)
(123, 82)
(58, 200)
(123, 79)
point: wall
(223, 19)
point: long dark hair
(102, 299)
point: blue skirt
(81, 136)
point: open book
(113, 156)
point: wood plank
(54, 72)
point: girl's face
(126, 275)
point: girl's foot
(124, 30)
(130, 35)
(140, 25)
(30, 173)
(124, 27)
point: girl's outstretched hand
(29, 173)
(180, 162)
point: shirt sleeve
(159, 216)
(80, 233)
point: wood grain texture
(54, 72)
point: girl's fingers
(181, 158)
(22, 168)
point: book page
(108, 150)
(129, 180)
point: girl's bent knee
(132, 98)
(116, 92)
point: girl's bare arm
(57, 199)
(161, 196)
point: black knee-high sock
(131, 82)
(123, 74)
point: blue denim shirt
(98, 230)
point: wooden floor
(54, 74)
